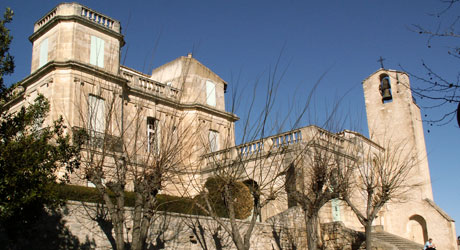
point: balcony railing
(96, 140)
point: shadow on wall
(48, 232)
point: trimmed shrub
(241, 194)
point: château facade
(180, 109)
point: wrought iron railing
(97, 140)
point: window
(43, 53)
(210, 93)
(153, 135)
(213, 140)
(97, 51)
(335, 209)
(96, 114)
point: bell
(385, 89)
(386, 95)
(385, 83)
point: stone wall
(179, 231)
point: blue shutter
(43, 53)
(210, 93)
(97, 52)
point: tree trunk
(236, 236)
(311, 221)
(368, 230)
(136, 233)
(119, 233)
(146, 222)
(119, 226)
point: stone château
(76, 65)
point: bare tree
(260, 162)
(131, 145)
(321, 172)
(382, 176)
(436, 88)
(255, 168)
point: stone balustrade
(77, 10)
(276, 143)
(149, 86)
(286, 139)
(97, 18)
(46, 18)
(330, 138)
(256, 148)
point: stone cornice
(185, 106)
(53, 65)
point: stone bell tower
(394, 118)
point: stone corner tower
(74, 34)
(394, 118)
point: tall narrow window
(97, 51)
(210, 93)
(213, 140)
(153, 135)
(96, 113)
(43, 53)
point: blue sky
(241, 41)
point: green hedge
(169, 203)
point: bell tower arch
(394, 118)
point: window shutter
(43, 53)
(97, 51)
(210, 93)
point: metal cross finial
(381, 62)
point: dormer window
(385, 88)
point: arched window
(385, 88)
